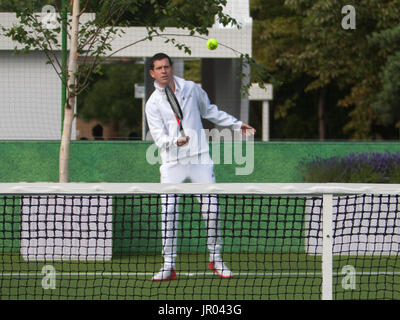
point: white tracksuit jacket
(195, 105)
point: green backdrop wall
(114, 161)
(106, 161)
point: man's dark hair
(156, 57)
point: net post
(327, 246)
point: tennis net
(281, 241)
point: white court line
(188, 274)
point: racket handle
(182, 132)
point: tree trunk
(69, 112)
(321, 114)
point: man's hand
(182, 141)
(247, 130)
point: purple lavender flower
(355, 167)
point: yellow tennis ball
(212, 44)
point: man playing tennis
(185, 157)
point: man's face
(162, 72)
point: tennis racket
(176, 108)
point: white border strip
(194, 188)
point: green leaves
(95, 37)
(111, 97)
(387, 101)
(301, 39)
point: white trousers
(195, 173)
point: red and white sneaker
(220, 269)
(165, 274)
